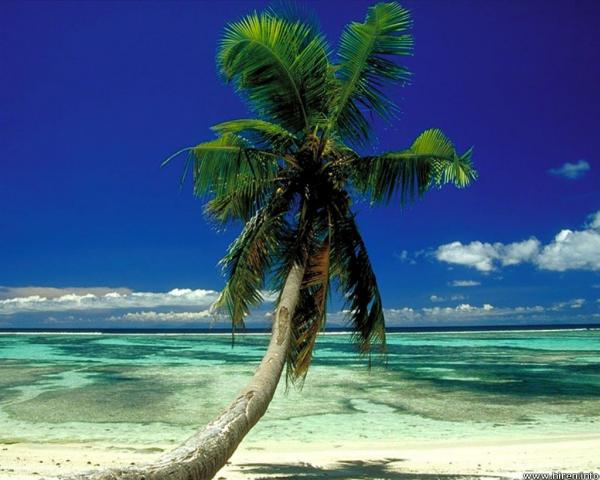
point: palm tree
(290, 175)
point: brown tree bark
(201, 456)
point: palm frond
(448, 165)
(243, 202)
(365, 67)
(309, 318)
(279, 65)
(306, 326)
(220, 166)
(248, 260)
(431, 160)
(260, 133)
(459, 171)
(351, 266)
(296, 12)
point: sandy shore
(290, 460)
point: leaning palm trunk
(206, 452)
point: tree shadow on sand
(346, 469)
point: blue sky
(94, 95)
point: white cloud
(476, 254)
(468, 314)
(519, 252)
(437, 298)
(462, 313)
(162, 317)
(402, 316)
(462, 310)
(594, 221)
(570, 250)
(484, 256)
(464, 283)
(576, 303)
(402, 256)
(405, 257)
(106, 300)
(53, 292)
(571, 171)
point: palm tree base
(202, 455)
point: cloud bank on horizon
(187, 308)
(86, 299)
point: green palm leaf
(242, 202)
(281, 66)
(260, 133)
(310, 316)
(351, 266)
(431, 160)
(228, 163)
(249, 258)
(365, 67)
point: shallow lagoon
(154, 390)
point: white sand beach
(506, 458)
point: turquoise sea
(154, 390)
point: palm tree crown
(290, 174)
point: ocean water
(152, 391)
